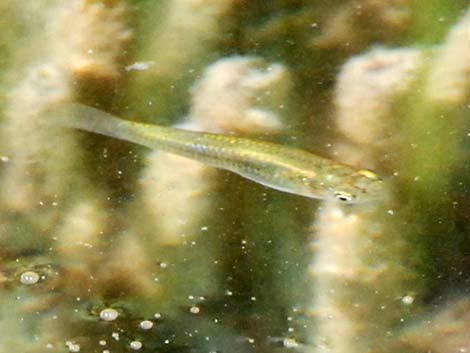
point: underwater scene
(235, 176)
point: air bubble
(194, 310)
(135, 345)
(29, 277)
(72, 347)
(146, 325)
(407, 299)
(290, 343)
(109, 314)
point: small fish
(276, 166)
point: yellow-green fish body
(280, 167)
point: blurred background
(109, 247)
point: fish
(276, 166)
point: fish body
(277, 166)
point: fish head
(357, 187)
(344, 184)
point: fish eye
(344, 196)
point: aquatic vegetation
(106, 246)
(444, 330)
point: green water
(109, 247)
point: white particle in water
(72, 347)
(140, 66)
(146, 325)
(135, 345)
(290, 343)
(109, 314)
(407, 299)
(157, 316)
(29, 277)
(194, 310)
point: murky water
(109, 247)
